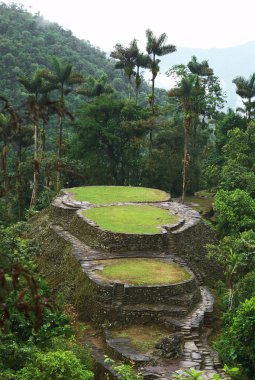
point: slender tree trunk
(137, 84)
(153, 95)
(136, 95)
(150, 144)
(36, 166)
(152, 100)
(2, 173)
(60, 137)
(19, 191)
(185, 162)
(4, 168)
(249, 110)
(129, 88)
(60, 148)
(43, 140)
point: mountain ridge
(227, 63)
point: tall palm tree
(245, 88)
(126, 57)
(186, 92)
(64, 78)
(156, 46)
(35, 88)
(202, 71)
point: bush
(59, 365)
(237, 344)
(235, 211)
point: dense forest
(70, 116)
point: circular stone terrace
(118, 218)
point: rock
(196, 355)
(190, 346)
(172, 346)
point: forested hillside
(29, 42)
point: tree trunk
(185, 162)
(36, 167)
(60, 151)
(129, 88)
(2, 191)
(43, 135)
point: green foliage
(112, 133)
(232, 156)
(236, 343)
(235, 211)
(245, 288)
(55, 365)
(33, 325)
(125, 371)
(40, 42)
(192, 374)
(236, 256)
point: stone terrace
(75, 247)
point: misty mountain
(227, 63)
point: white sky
(188, 23)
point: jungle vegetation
(71, 116)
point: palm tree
(186, 92)
(202, 71)
(245, 88)
(34, 87)
(156, 47)
(63, 77)
(126, 60)
(95, 87)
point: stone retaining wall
(160, 294)
(190, 244)
(99, 238)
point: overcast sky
(188, 23)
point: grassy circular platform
(142, 338)
(143, 272)
(132, 219)
(112, 194)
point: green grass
(142, 338)
(111, 194)
(142, 271)
(132, 219)
(201, 204)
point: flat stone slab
(190, 346)
(123, 346)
